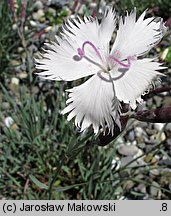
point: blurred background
(42, 155)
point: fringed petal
(107, 27)
(131, 83)
(137, 37)
(94, 103)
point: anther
(80, 52)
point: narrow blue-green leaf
(38, 183)
(61, 189)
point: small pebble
(8, 122)
(26, 28)
(5, 105)
(157, 138)
(150, 102)
(14, 84)
(14, 26)
(20, 49)
(33, 23)
(128, 185)
(15, 81)
(39, 15)
(166, 162)
(141, 188)
(169, 141)
(126, 160)
(128, 150)
(141, 145)
(168, 127)
(170, 186)
(38, 5)
(93, 5)
(167, 101)
(154, 189)
(22, 75)
(150, 159)
(139, 132)
(158, 126)
(158, 100)
(52, 11)
(154, 172)
(15, 62)
(58, 2)
(131, 135)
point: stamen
(121, 63)
(81, 52)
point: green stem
(56, 175)
(68, 155)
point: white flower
(116, 75)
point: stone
(168, 127)
(128, 185)
(158, 126)
(26, 28)
(14, 26)
(141, 188)
(39, 15)
(157, 138)
(52, 11)
(154, 172)
(126, 160)
(128, 150)
(154, 189)
(38, 5)
(150, 158)
(33, 23)
(14, 84)
(141, 145)
(58, 2)
(139, 132)
(169, 142)
(167, 101)
(166, 162)
(8, 122)
(158, 100)
(20, 49)
(93, 5)
(5, 105)
(170, 186)
(22, 75)
(131, 135)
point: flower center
(81, 53)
